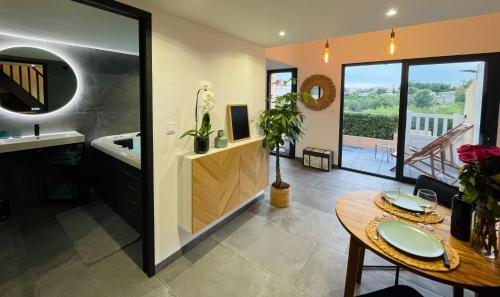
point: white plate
(410, 239)
(406, 202)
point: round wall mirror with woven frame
(326, 90)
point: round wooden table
(475, 272)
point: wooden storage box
(317, 158)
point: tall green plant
(283, 121)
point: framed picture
(237, 122)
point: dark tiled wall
(108, 100)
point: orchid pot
(202, 134)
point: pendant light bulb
(392, 44)
(326, 56)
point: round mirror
(316, 92)
(34, 81)
(321, 89)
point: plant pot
(484, 238)
(201, 144)
(280, 197)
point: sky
(389, 75)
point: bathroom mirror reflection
(34, 81)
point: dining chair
(394, 291)
(444, 191)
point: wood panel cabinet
(220, 181)
(254, 170)
(215, 186)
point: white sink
(44, 140)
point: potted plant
(202, 135)
(284, 120)
(480, 184)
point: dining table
(475, 272)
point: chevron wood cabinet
(254, 170)
(219, 182)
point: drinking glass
(391, 194)
(427, 201)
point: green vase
(220, 140)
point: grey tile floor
(265, 251)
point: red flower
(495, 151)
(482, 155)
(464, 148)
(467, 157)
(470, 147)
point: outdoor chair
(424, 159)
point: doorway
(280, 82)
(402, 119)
(143, 19)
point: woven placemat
(431, 218)
(435, 264)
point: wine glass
(391, 194)
(427, 201)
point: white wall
(183, 54)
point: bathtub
(116, 175)
(124, 147)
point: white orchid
(208, 100)
(205, 85)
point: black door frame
(490, 106)
(146, 113)
(268, 94)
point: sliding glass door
(444, 104)
(407, 118)
(370, 118)
(280, 82)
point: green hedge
(381, 126)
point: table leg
(361, 259)
(352, 267)
(458, 291)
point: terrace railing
(422, 128)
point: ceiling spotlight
(282, 33)
(391, 12)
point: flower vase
(201, 144)
(221, 139)
(484, 238)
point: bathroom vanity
(214, 184)
(42, 141)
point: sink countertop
(44, 140)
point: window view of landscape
(280, 83)
(443, 111)
(371, 108)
